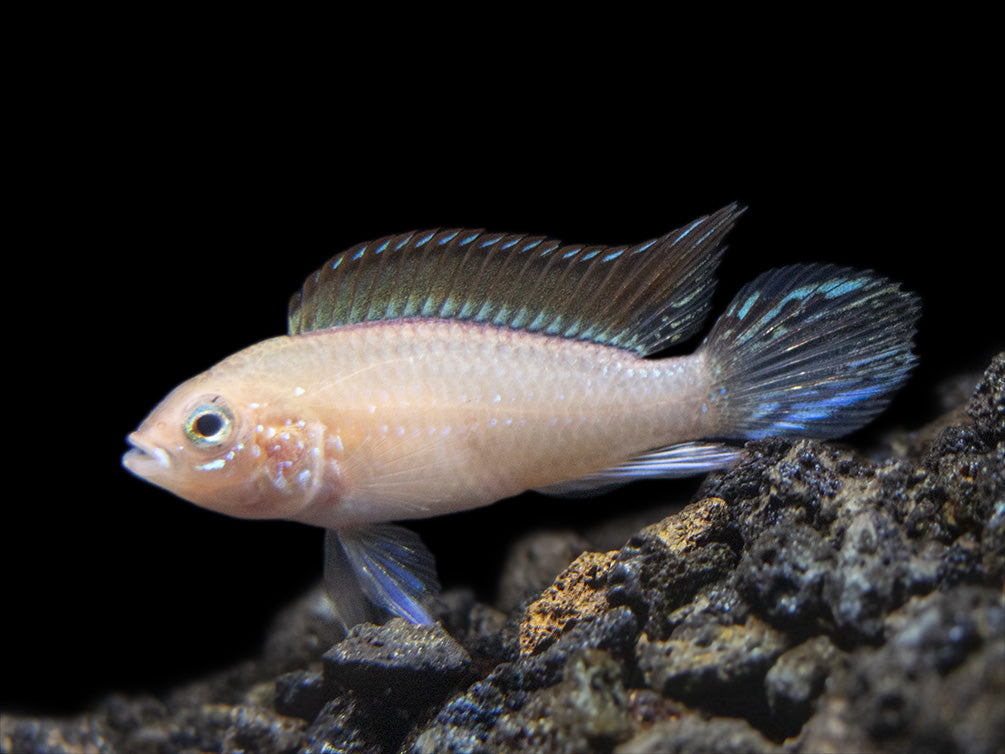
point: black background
(168, 216)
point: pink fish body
(431, 373)
(387, 421)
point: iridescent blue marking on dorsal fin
(643, 297)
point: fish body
(435, 372)
(395, 420)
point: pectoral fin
(381, 566)
(683, 459)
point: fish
(433, 372)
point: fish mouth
(145, 458)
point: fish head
(231, 447)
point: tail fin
(811, 351)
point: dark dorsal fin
(642, 297)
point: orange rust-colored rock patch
(576, 594)
(690, 528)
(579, 592)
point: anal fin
(379, 567)
(680, 460)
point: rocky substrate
(809, 600)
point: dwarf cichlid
(432, 372)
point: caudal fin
(810, 351)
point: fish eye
(209, 424)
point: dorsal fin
(642, 297)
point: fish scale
(503, 406)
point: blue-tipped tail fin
(810, 351)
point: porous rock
(468, 721)
(577, 594)
(696, 734)
(699, 659)
(532, 562)
(585, 711)
(936, 685)
(408, 663)
(346, 724)
(797, 678)
(663, 566)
